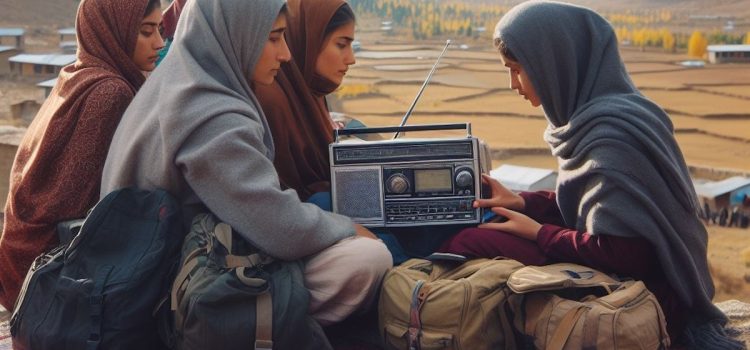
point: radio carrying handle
(405, 128)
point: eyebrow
(347, 38)
(150, 24)
(279, 30)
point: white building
(729, 53)
(520, 178)
(724, 193)
(39, 65)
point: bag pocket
(397, 337)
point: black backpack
(104, 289)
(230, 296)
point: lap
(485, 243)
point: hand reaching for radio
(516, 223)
(500, 196)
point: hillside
(33, 14)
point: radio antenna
(424, 85)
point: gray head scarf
(621, 171)
(217, 84)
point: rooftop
(714, 189)
(67, 31)
(520, 175)
(11, 31)
(48, 83)
(49, 59)
(728, 48)
(7, 48)
(11, 135)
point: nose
(158, 41)
(349, 58)
(514, 83)
(284, 54)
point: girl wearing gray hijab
(198, 131)
(624, 202)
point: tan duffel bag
(569, 306)
(426, 305)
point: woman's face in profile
(520, 81)
(149, 42)
(275, 52)
(337, 54)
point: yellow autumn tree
(697, 45)
(747, 38)
(667, 40)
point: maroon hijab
(58, 165)
(170, 17)
(295, 103)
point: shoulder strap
(568, 322)
(264, 321)
(96, 304)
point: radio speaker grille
(358, 193)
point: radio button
(397, 183)
(464, 178)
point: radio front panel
(391, 184)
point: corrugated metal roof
(47, 83)
(11, 135)
(11, 31)
(520, 177)
(715, 189)
(7, 48)
(50, 59)
(67, 31)
(728, 48)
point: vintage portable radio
(408, 182)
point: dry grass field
(710, 109)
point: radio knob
(397, 183)
(464, 178)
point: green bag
(229, 296)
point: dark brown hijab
(295, 103)
(58, 166)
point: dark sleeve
(542, 207)
(627, 256)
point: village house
(47, 86)
(23, 113)
(10, 138)
(39, 65)
(729, 53)
(723, 194)
(12, 37)
(68, 43)
(521, 178)
(6, 52)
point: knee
(370, 259)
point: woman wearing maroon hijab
(319, 35)
(57, 171)
(169, 24)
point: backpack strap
(96, 305)
(590, 331)
(418, 297)
(568, 322)
(264, 321)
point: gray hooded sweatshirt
(196, 130)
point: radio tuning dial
(398, 184)
(464, 178)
